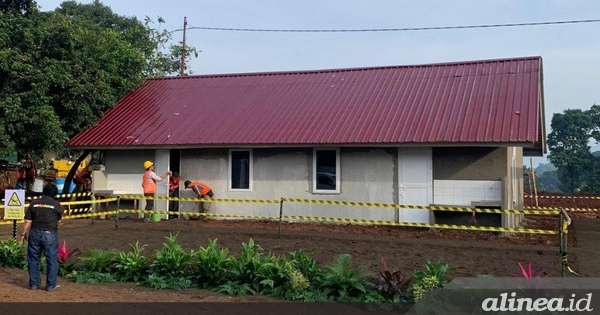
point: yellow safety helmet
(147, 164)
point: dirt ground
(470, 253)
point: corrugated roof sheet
(489, 102)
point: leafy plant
(173, 263)
(434, 277)
(12, 254)
(527, 273)
(532, 281)
(65, 254)
(92, 277)
(211, 265)
(133, 265)
(67, 259)
(305, 264)
(392, 283)
(251, 268)
(99, 260)
(342, 280)
(273, 275)
(297, 280)
(233, 288)
(160, 282)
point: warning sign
(15, 201)
(14, 204)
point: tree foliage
(17, 6)
(61, 70)
(570, 150)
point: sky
(570, 52)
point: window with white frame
(240, 170)
(326, 170)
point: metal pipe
(564, 221)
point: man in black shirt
(41, 222)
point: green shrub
(343, 281)
(256, 272)
(12, 254)
(173, 264)
(434, 277)
(95, 267)
(211, 265)
(101, 261)
(297, 278)
(92, 277)
(305, 264)
(233, 288)
(132, 265)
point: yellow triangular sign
(14, 200)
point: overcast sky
(570, 52)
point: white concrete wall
(464, 192)
(366, 175)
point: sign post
(14, 207)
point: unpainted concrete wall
(367, 174)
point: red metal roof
(496, 102)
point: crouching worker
(201, 190)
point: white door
(161, 165)
(414, 183)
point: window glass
(326, 170)
(240, 169)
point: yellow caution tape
(566, 209)
(423, 225)
(561, 197)
(415, 207)
(572, 271)
(139, 197)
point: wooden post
(534, 185)
(280, 216)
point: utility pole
(183, 47)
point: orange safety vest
(204, 188)
(148, 184)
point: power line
(386, 29)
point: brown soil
(470, 253)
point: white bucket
(38, 185)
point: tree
(61, 70)
(29, 121)
(24, 7)
(154, 43)
(548, 181)
(569, 148)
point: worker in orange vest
(201, 190)
(149, 180)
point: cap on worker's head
(187, 183)
(147, 164)
(50, 190)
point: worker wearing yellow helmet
(149, 180)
